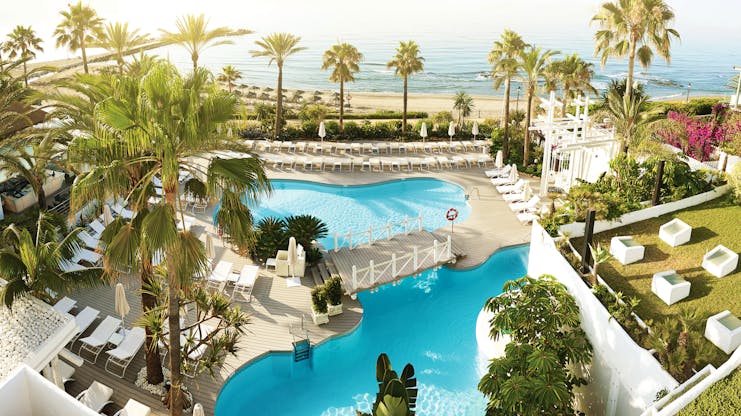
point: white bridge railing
(372, 234)
(386, 271)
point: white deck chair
(83, 320)
(64, 305)
(459, 162)
(134, 408)
(220, 275)
(306, 163)
(414, 162)
(483, 160)
(336, 164)
(508, 189)
(376, 165)
(443, 161)
(87, 255)
(519, 196)
(509, 180)
(530, 205)
(497, 173)
(246, 281)
(318, 163)
(123, 211)
(97, 228)
(95, 342)
(301, 147)
(346, 162)
(88, 240)
(96, 397)
(121, 356)
(424, 163)
(66, 372)
(432, 163)
(403, 163)
(526, 217)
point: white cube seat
(626, 250)
(724, 330)
(670, 287)
(720, 261)
(675, 232)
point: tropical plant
(271, 237)
(319, 300)
(698, 138)
(463, 104)
(343, 58)
(178, 119)
(634, 28)
(503, 58)
(533, 62)
(306, 229)
(678, 343)
(28, 158)
(278, 47)
(406, 63)
(117, 39)
(600, 255)
(575, 76)
(397, 394)
(228, 76)
(33, 262)
(538, 372)
(22, 43)
(629, 116)
(79, 29)
(313, 112)
(193, 34)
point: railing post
(415, 253)
(450, 247)
(349, 239)
(336, 245)
(388, 229)
(434, 251)
(354, 277)
(393, 264)
(372, 273)
(370, 234)
(420, 221)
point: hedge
(379, 115)
(720, 399)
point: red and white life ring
(451, 214)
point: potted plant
(319, 306)
(333, 291)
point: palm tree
(463, 104)
(23, 43)
(628, 115)
(193, 34)
(13, 93)
(575, 76)
(80, 27)
(278, 47)
(28, 158)
(343, 58)
(533, 63)
(634, 27)
(164, 121)
(406, 62)
(31, 264)
(117, 39)
(228, 75)
(503, 58)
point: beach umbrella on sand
(107, 216)
(198, 410)
(121, 306)
(499, 160)
(475, 129)
(423, 131)
(451, 131)
(322, 131)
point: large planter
(333, 310)
(319, 318)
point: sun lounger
(219, 276)
(419, 147)
(134, 408)
(456, 147)
(517, 197)
(83, 320)
(467, 144)
(443, 161)
(95, 342)
(526, 217)
(366, 164)
(86, 255)
(191, 360)
(483, 160)
(123, 211)
(511, 179)
(432, 163)
(97, 228)
(64, 305)
(246, 282)
(517, 187)
(301, 147)
(459, 162)
(88, 240)
(367, 148)
(375, 164)
(121, 356)
(496, 173)
(68, 266)
(96, 397)
(346, 162)
(318, 163)
(530, 205)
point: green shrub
(271, 237)
(319, 299)
(720, 399)
(333, 290)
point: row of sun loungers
(516, 192)
(243, 282)
(368, 147)
(379, 164)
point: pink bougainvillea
(697, 137)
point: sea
(459, 63)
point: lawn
(715, 222)
(720, 399)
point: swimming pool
(428, 321)
(345, 208)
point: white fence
(624, 378)
(407, 264)
(576, 229)
(372, 234)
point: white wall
(624, 377)
(26, 393)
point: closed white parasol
(451, 131)
(322, 131)
(292, 260)
(475, 129)
(122, 305)
(423, 131)
(499, 160)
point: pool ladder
(301, 341)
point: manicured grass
(713, 223)
(720, 399)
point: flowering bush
(698, 138)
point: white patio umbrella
(292, 260)
(451, 131)
(121, 306)
(210, 252)
(107, 215)
(423, 131)
(499, 160)
(322, 131)
(475, 129)
(198, 410)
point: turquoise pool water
(428, 321)
(345, 208)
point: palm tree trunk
(505, 141)
(279, 103)
(342, 102)
(41, 198)
(631, 64)
(194, 58)
(526, 145)
(151, 350)
(565, 100)
(25, 74)
(84, 54)
(404, 110)
(176, 378)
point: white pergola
(575, 147)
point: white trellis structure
(575, 147)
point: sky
(403, 19)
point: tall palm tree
(463, 104)
(13, 92)
(343, 58)
(575, 76)
(117, 39)
(166, 121)
(228, 75)
(628, 115)
(278, 47)
(634, 27)
(79, 28)
(193, 34)
(503, 58)
(406, 62)
(31, 264)
(533, 63)
(23, 43)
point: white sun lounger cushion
(85, 318)
(130, 345)
(103, 332)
